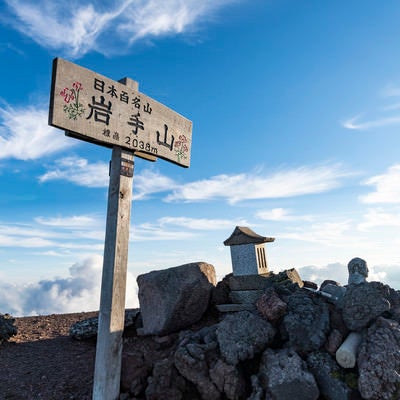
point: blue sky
(296, 112)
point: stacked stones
(259, 335)
(296, 342)
(7, 327)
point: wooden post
(132, 124)
(107, 373)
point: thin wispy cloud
(24, 242)
(330, 233)
(383, 118)
(79, 171)
(391, 91)
(76, 221)
(76, 232)
(149, 182)
(392, 107)
(200, 223)
(377, 217)
(25, 134)
(104, 26)
(285, 183)
(387, 187)
(281, 214)
(355, 123)
(5, 46)
(78, 226)
(180, 228)
(156, 232)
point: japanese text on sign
(98, 109)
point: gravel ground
(42, 362)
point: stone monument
(358, 271)
(248, 252)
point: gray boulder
(198, 359)
(257, 391)
(306, 323)
(165, 382)
(334, 383)
(270, 305)
(87, 328)
(243, 334)
(284, 375)
(7, 328)
(285, 282)
(335, 291)
(363, 303)
(175, 298)
(333, 342)
(134, 372)
(228, 380)
(196, 353)
(379, 361)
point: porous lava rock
(175, 298)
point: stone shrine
(248, 252)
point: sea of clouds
(80, 290)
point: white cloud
(157, 18)
(378, 217)
(285, 183)
(200, 223)
(79, 171)
(80, 291)
(317, 274)
(281, 214)
(77, 226)
(353, 123)
(383, 119)
(329, 233)
(388, 274)
(391, 91)
(106, 26)
(387, 187)
(59, 233)
(156, 232)
(165, 228)
(149, 182)
(76, 221)
(392, 107)
(25, 134)
(27, 242)
(83, 173)
(233, 188)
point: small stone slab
(248, 282)
(245, 296)
(235, 307)
(336, 291)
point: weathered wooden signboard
(101, 110)
(96, 109)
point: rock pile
(7, 328)
(288, 340)
(256, 337)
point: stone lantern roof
(244, 235)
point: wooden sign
(114, 114)
(97, 109)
